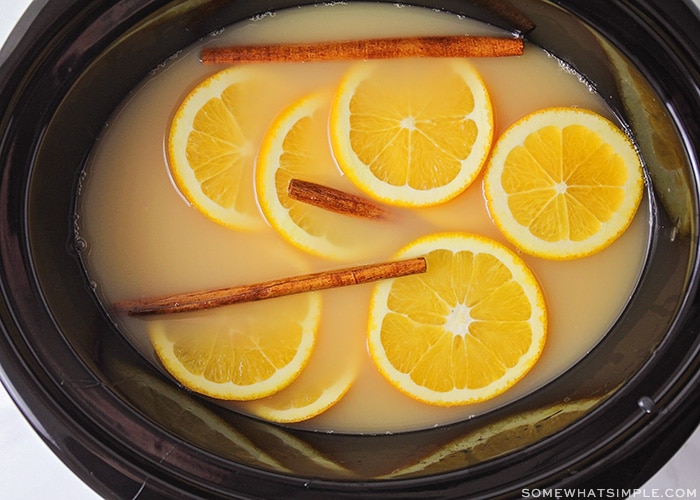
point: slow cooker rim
(32, 412)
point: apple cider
(143, 239)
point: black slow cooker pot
(609, 422)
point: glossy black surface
(129, 432)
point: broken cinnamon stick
(334, 200)
(197, 301)
(378, 48)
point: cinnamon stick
(197, 301)
(378, 48)
(334, 200)
(507, 12)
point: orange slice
(412, 133)
(466, 330)
(306, 398)
(295, 146)
(213, 139)
(563, 183)
(240, 352)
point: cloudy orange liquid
(144, 240)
